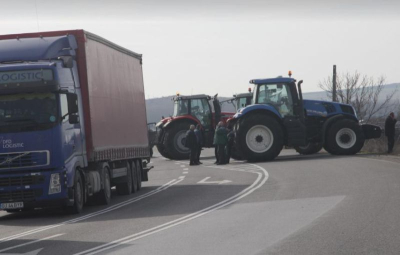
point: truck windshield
(181, 107)
(25, 111)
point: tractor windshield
(277, 95)
(181, 107)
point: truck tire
(139, 174)
(260, 138)
(134, 177)
(126, 187)
(78, 194)
(310, 148)
(344, 137)
(175, 139)
(104, 196)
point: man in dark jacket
(390, 124)
(221, 140)
(191, 143)
(199, 135)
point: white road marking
(90, 215)
(186, 169)
(35, 252)
(261, 179)
(213, 182)
(183, 166)
(181, 177)
(185, 172)
(28, 243)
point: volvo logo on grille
(9, 159)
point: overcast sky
(217, 46)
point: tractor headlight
(55, 184)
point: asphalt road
(318, 204)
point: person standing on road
(231, 139)
(390, 124)
(191, 143)
(215, 145)
(199, 136)
(221, 142)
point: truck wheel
(175, 139)
(139, 175)
(162, 151)
(260, 138)
(134, 177)
(310, 148)
(78, 194)
(126, 188)
(345, 137)
(104, 196)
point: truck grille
(19, 195)
(24, 159)
(21, 180)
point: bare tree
(362, 92)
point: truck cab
(40, 129)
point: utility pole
(334, 84)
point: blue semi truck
(280, 117)
(72, 120)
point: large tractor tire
(174, 141)
(344, 137)
(162, 151)
(260, 138)
(310, 148)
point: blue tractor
(280, 117)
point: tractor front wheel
(344, 137)
(174, 141)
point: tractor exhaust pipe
(302, 118)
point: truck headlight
(55, 184)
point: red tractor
(188, 110)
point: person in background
(390, 124)
(199, 136)
(231, 139)
(215, 145)
(191, 143)
(221, 141)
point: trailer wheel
(78, 194)
(139, 175)
(310, 148)
(126, 188)
(174, 141)
(104, 196)
(345, 137)
(134, 177)
(260, 138)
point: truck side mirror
(73, 119)
(72, 103)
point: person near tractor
(231, 139)
(191, 143)
(215, 145)
(221, 142)
(199, 136)
(390, 124)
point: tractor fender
(258, 108)
(328, 123)
(188, 118)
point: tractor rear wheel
(310, 148)
(174, 141)
(344, 137)
(260, 138)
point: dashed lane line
(259, 182)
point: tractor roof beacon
(280, 116)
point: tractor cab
(242, 100)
